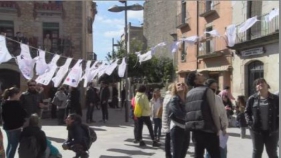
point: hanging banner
(109, 70)
(86, 74)
(231, 35)
(145, 57)
(75, 74)
(247, 24)
(41, 65)
(4, 53)
(26, 66)
(46, 78)
(61, 73)
(122, 68)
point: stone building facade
(160, 24)
(67, 23)
(208, 55)
(135, 37)
(257, 49)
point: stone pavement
(115, 140)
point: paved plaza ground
(115, 140)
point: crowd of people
(193, 111)
(196, 111)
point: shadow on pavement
(58, 140)
(238, 135)
(131, 152)
(104, 156)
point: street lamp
(115, 8)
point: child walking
(242, 121)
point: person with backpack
(78, 137)
(33, 141)
(60, 100)
(13, 117)
(142, 112)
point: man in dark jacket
(202, 116)
(104, 96)
(114, 96)
(31, 100)
(91, 101)
(77, 138)
(75, 105)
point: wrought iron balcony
(211, 47)
(259, 29)
(48, 9)
(182, 19)
(9, 7)
(207, 8)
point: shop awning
(218, 68)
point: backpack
(90, 134)
(28, 147)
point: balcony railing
(182, 19)
(52, 8)
(212, 46)
(9, 7)
(259, 29)
(207, 7)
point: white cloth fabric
(272, 14)
(109, 70)
(4, 53)
(46, 78)
(190, 40)
(86, 74)
(102, 69)
(213, 33)
(57, 79)
(26, 66)
(153, 49)
(175, 46)
(25, 51)
(247, 24)
(137, 53)
(146, 56)
(122, 68)
(75, 74)
(25, 62)
(231, 35)
(41, 65)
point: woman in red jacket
(133, 104)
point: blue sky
(110, 25)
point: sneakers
(136, 141)
(142, 143)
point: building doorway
(9, 78)
(255, 71)
(52, 28)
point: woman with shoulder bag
(262, 116)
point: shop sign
(251, 52)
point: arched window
(255, 71)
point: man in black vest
(202, 116)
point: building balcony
(212, 47)
(207, 8)
(261, 32)
(9, 7)
(48, 9)
(182, 19)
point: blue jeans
(180, 141)
(223, 153)
(13, 141)
(157, 127)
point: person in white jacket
(166, 121)
(212, 84)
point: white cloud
(138, 15)
(112, 34)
